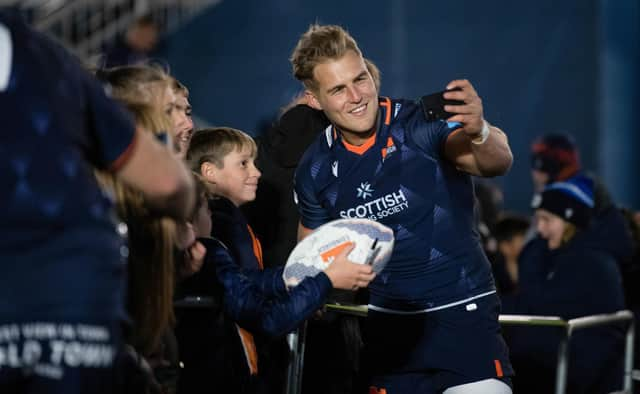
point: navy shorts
(430, 352)
(58, 357)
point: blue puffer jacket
(250, 300)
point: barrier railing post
(568, 328)
(296, 341)
(628, 357)
(563, 365)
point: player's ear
(312, 100)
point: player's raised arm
(477, 147)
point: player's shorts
(58, 357)
(428, 352)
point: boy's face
(237, 180)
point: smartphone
(433, 105)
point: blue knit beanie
(572, 200)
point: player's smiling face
(345, 91)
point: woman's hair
(203, 194)
(151, 240)
(569, 232)
(140, 84)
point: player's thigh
(487, 386)
(415, 383)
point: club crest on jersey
(390, 148)
(364, 190)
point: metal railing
(296, 339)
(567, 326)
(572, 325)
(86, 27)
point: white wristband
(484, 134)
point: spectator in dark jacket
(568, 277)
(555, 157)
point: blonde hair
(203, 194)
(214, 144)
(319, 44)
(150, 118)
(375, 73)
(179, 88)
(569, 232)
(150, 263)
(140, 84)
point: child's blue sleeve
(269, 281)
(247, 305)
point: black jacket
(274, 215)
(577, 279)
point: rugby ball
(373, 245)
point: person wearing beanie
(567, 276)
(554, 157)
(562, 208)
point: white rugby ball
(373, 245)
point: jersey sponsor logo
(379, 208)
(364, 190)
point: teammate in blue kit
(61, 256)
(433, 315)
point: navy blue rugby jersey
(404, 182)
(60, 253)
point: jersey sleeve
(312, 213)
(429, 136)
(112, 129)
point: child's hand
(347, 275)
